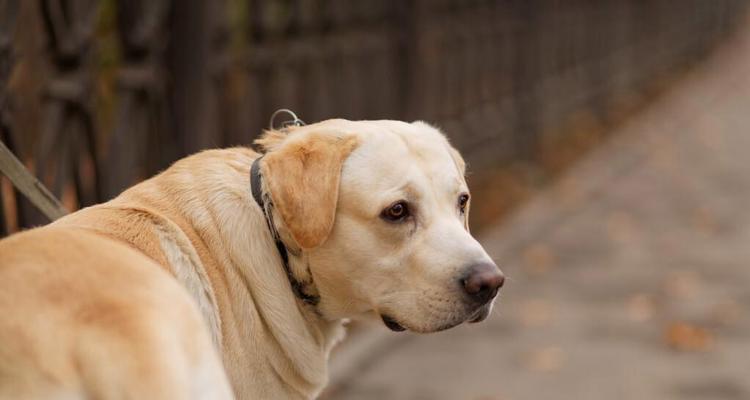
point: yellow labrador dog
(229, 274)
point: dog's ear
(302, 176)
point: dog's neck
(302, 336)
(260, 313)
(300, 277)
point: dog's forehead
(394, 148)
(419, 138)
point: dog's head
(379, 210)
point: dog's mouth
(392, 324)
(481, 314)
(478, 316)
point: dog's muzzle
(392, 324)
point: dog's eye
(396, 212)
(463, 200)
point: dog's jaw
(392, 324)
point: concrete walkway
(629, 279)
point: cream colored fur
(142, 296)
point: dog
(231, 273)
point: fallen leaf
(683, 336)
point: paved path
(630, 278)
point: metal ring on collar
(285, 124)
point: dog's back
(84, 316)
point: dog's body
(148, 295)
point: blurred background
(606, 143)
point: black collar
(255, 188)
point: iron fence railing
(98, 94)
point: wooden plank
(27, 184)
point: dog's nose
(483, 281)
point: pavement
(629, 278)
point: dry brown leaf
(683, 336)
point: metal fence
(96, 95)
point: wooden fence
(98, 94)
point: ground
(628, 279)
